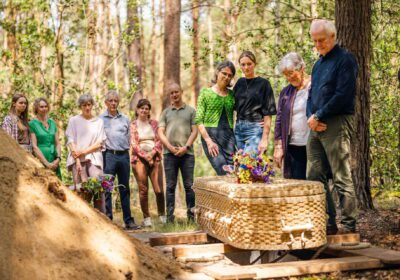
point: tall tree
(59, 62)
(353, 22)
(10, 41)
(134, 51)
(152, 52)
(172, 25)
(210, 42)
(195, 48)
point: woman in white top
(146, 151)
(86, 137)
(291, 129)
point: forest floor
(380, 227)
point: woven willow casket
(283, 215)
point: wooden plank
(144, 236)
(226, 272)
(215, 248)
(288, 269)
(312, 267)
(193, 276)
(180, 238)
(386, 256)
(343, 238)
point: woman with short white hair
(85, 139)
(291, 129)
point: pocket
(346, 126)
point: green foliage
(385, 96)
(269, 28)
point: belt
(117, 152)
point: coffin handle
(297, 228)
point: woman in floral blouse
(146, 151)
(16, 122)
(214, 118)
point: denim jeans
(330, 150)
(248, 135)
(172, 165)
(225, 140)
(119, 165)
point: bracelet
(58, 157)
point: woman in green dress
(44, 136)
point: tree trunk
(171, 45)
(142, 52)
(160, 56)
(59, 63)
(353, 22)
(196, 47)
(152, 47)
(114, 33)
(227, 34)
(314, 12)
(90, 29)
(10, 43)
(134, 52)
(210, 42)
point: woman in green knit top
(214, 118)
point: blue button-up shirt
(117, 130)
(333, 85)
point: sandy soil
(47, 232)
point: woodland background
(60, 49)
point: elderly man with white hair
(116, 156)
(330, 110)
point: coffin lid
(278, 187)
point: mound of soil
(48, 232)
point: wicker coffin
(283, 215)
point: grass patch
(179, 225)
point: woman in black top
(254, 105)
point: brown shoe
(347, 231)
(331, 230)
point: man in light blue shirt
(116, 156)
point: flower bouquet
(250, 167)
(99, 184)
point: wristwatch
(316, 118)
(187, 147)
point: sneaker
(147, 222)
(163, 219)
(132, 226)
